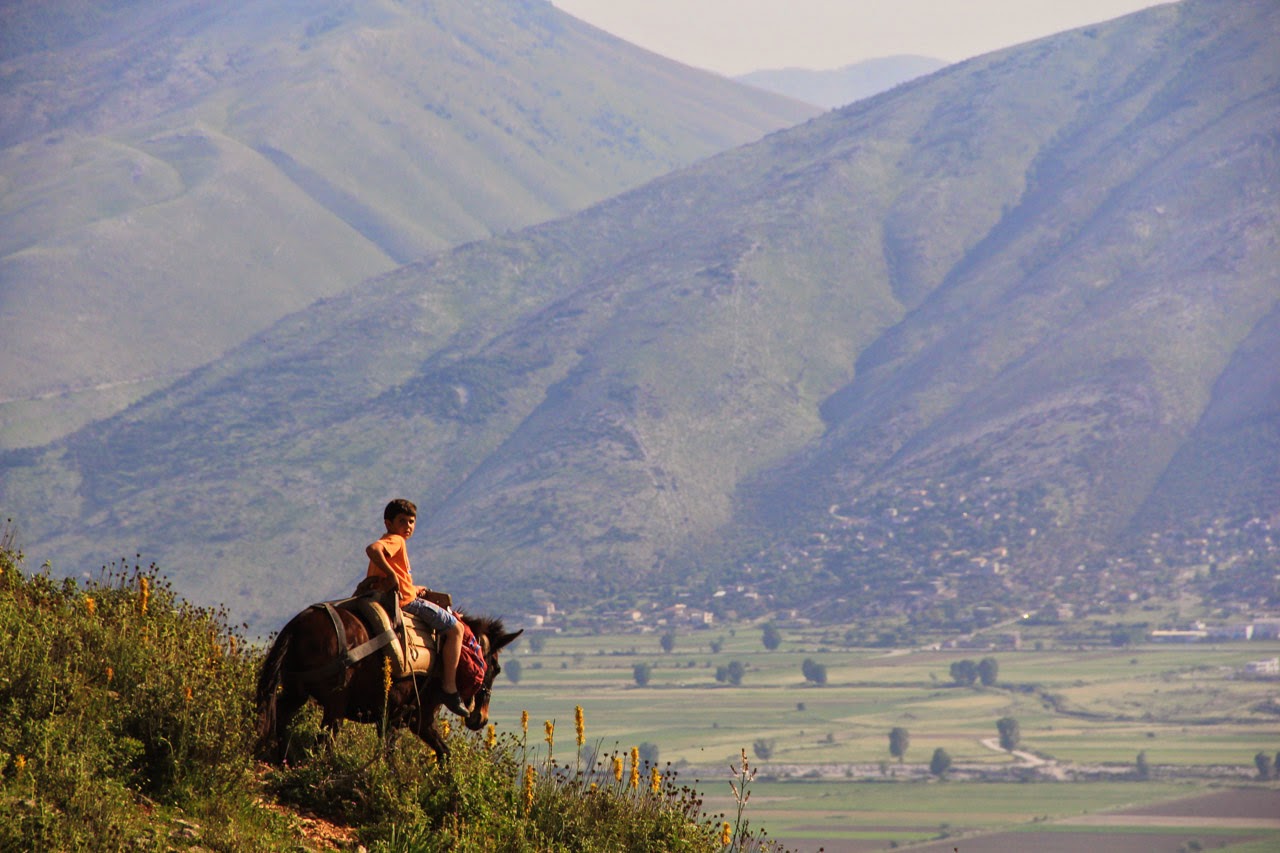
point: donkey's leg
(334, 707)
(425, 728)
(287, 707)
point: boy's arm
(377, 553)
(378, 557)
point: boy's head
(399, 506)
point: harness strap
(347, 656)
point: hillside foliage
(126, 723)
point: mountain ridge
(925, 357)
(176, 178)
(836, 87)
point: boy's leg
(450, 630)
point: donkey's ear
(506, 640)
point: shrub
(112, 690)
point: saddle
(412, 646)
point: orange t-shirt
(393, 547)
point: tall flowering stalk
(744, 773)
(550, 727)
(144, 594)
(491, 737)
(617, 768)
(580, 726)
(524, 736)
(386, 691)
(635, 767)
(655, 780)
(529, 776)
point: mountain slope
(176, 179)
(837, 87)
(931, 351)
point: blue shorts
(436, 617)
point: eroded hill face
(958, 350)
(177, 178)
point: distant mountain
(840, 86)
(1003, 338)
(178, 176)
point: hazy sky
(737, 36)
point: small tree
(1141, 767)
(771, 637)
(899, 740)
(1263, 762)
(940, 763)
(1010, 733)
(964, 672)
(668, 641)
(513, 669)
(641, 672)
(763, 748)
(537, 643)
(988, 671)
(814, 671)
(734, 672)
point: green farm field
(821, 753)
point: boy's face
(402, 525)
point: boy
(389, 557)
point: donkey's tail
(270, 677)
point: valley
(824, 773)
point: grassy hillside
(175, 181)
(926, 359)
(125, 723)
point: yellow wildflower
(90, 605)
(550, 727)
(491, 737)
(144, 594)
(386, 677)
(655, 779)
(524, 723)
(617, 768)
(726, 834)
(635, 767)
(186, 694)
(529, 775)
(580, 724)
(111, 673)
(444, 728)
(20, 764)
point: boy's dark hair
(399, 506)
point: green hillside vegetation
(126, 724)
(172, 182)
(1002, 340)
